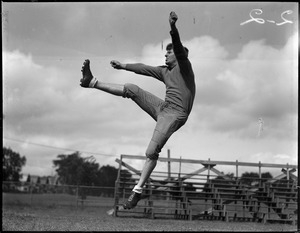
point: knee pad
(130, 90)
(153, 151)
(152, 156)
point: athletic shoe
(87, 76)
(132, 200)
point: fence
(212, 195)
(31, 194)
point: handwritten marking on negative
(262, 21)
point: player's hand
(173, 18)
(116, 64)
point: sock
(137, 189)
(93, 82)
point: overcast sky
(245, 69)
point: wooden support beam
(290, 173)
(193, 161)
(284, 171)
(128, 166)
(138, 172)
(169, 165)
(194, 173)
(220, 174)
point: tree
(249, 178)
(107, 176)
(74, 170)
(266, 176)
(12, 165)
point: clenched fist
(117, 65)
(173, 18)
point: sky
(244, 56)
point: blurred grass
(48, 200)
(58, 212)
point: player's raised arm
(172, 20)
(180, 52)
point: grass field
(47, 212)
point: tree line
(73, 169)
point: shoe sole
(86, 81)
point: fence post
(30, 186)
(179, 168)
(287, 172)
(237, 171)
(169, 165)
(259, 173)
(150, 200)
(169, 178)
(77, 197)
(208, 171)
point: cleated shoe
(132, 200)
(87, 76)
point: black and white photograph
(150, 116)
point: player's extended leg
(150, 103)
(166, 125)
(136, 193)
(147, 101)
(89, 81)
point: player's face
(170, 58)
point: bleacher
(195, 196)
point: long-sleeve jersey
(179, 81)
